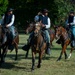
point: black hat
(72, 12)
(45, 11)
(9, 9)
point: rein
(37, 36)
(64, 34)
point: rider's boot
(48, 49)
(58, 41)
(26, 47)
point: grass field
(49, 64)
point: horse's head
(58, 31)
(37, 28)
(30, 27)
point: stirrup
(26, 47)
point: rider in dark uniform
(7, 22)
(45, 20)
(70, 26)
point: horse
(62, 34)
(4, 46)
(31, 27)
(38, 45)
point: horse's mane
(63, 28)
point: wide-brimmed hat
(45, 11)
(10, 9)
(71, 11)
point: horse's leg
(3, 55)
(16, 50)
(60, 56)
(51, 43)
(0, 52)
(26, 56)
(70, 53)
(33, 60)
(39, 61)
(63, 51)
(40, 58)
(65, 55)
(6, 49)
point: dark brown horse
(38, 45)
(31, 27)
(4, 46)
(62, 34)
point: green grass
(49, 65)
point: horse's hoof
(58, 59)
(15, 59)
(38, 66)
(32, 69)
(2, 61)
(26, 57)
(67, 58)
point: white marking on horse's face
(58, 33)
(36, 24)
(57, 37)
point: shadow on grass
(52, 48)
(6, 65)
(22, 56)
(12, 56)
(60, 49)
(13, 66)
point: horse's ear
(27, 22)
(55, 26)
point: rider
(70, 25)
(45, 20)
(7, 21)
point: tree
(63, 8)
(3, 6)
(27, 9)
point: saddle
(43, 35)
(8, 37)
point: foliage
(3, 6)
(25, 10)
(64, 6)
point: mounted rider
(7, 22)
(70, 25)
(45, 21)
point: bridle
(65, 34)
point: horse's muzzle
(56, 36)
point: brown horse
(62, 34)
(4, 46)
(31, 27)
(38, 45)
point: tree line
(25, 10)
